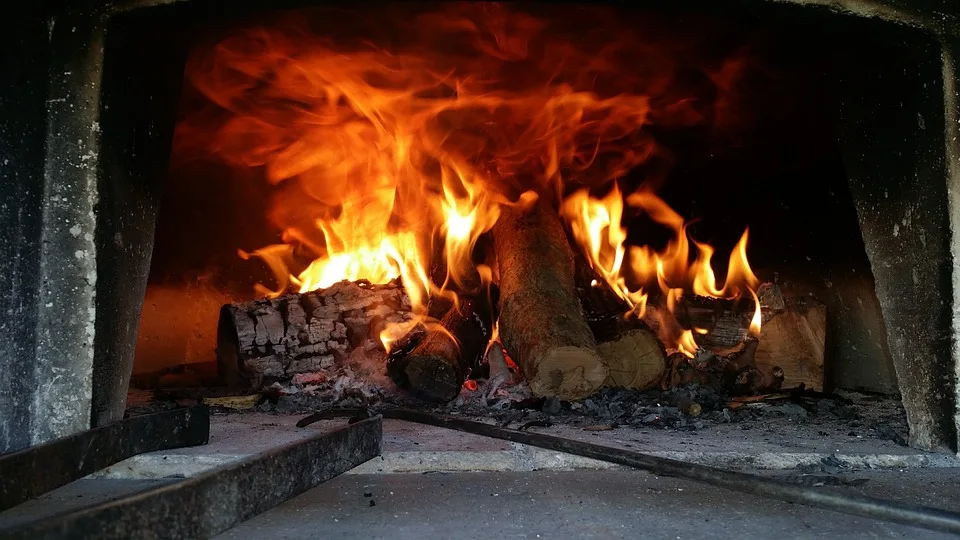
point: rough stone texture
(23, 51)
(79, 222)
(66, 313)
(893, 133)
(951, 83)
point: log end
(569, 373)
(433, 377)
(635, 359)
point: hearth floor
(780, 444)
(458, 484)
(573, 504)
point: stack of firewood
(567, 331)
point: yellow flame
(757, 316)
(377, 158)
(687, 345)
(596, 226)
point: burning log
(793, 337)
(276, 338)
(439, 364)
(788, 351)
(632, 352)
(542, 324)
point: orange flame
(380, 159)
(596, 226)
(686, 344)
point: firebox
(282, 192)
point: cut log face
(276, 338)
(794, 340)
(631, 351)
(542, 324)
(635, 359)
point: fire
(389, 163)
(687, 344)
(596, 225)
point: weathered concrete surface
(416, 448)
(23, 52)
(951, 85)
(892, 134)
(66, 314)
(85, 216)
(581, 504)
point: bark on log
(542, 324)
(439, 364)
(632, 352)
(273, 339)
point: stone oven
(839, 149)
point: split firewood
(744, 376)
(542, 325)
(273, 339)
(793, 337)
(632, 352)
(790, 347)
(437, 366)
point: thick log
(274, 339)
(542, 325)
(439, 364)
(632, 352)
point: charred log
(542, 324)
(789, 350)
(437, 366)
(274, 339)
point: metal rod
(919, 516)
(35, 471)
(214, 501)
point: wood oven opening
(726, 122)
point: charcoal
(888, 433)
(652, 418)
(846, 412)
(789, 409)
(551, 405)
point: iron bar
(918, 516)
(214, 501)
(34, 471)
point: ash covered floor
(459, 485)
(577, 504)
